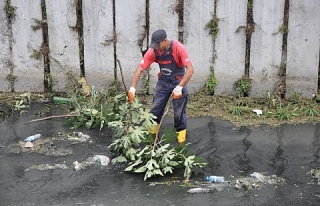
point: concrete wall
(63, 42)
(230, 44)
(122, 31)
(28, 70)
(197, 13)
(129, 47)
(266, 45)
(303, 47)
(98, 42)
(5, 50)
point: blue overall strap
(168, 66)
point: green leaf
(119, 159)
(141, 169)
(94, 111)
(136, 163)
(167, 169)
(173, 163)
(187, 171)
(157, 172)
(163, 148)
(137, 135)
(144, 151)
(148, 175)
(89, 124)
(129, 168)
(150, 165)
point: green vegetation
(36, 55)
(243, 87)
(240, 110)
(11, 78)
(10, 10)
(211, 82)
(311, 110)
(285, 112)
(132, 143)
(212, 26)
(22, 102)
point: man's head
(157, 37)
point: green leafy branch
(147, 153)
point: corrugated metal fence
(273, 42)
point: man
(175, 72)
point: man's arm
(136, 76)
(177, 91)
(187, 76)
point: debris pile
(254, 181)
(315, 175)
(100, 159)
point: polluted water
(260, 166)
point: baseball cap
(157, 37)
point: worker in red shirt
(175, 72)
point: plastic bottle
(213, 178)
(61, 100)
(32, 138)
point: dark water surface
(289, 151)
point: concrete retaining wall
(122, 30)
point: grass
(276, 111)
(239, 110)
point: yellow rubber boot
(181, 138)
(155, 129)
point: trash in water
(77, 166)
(28, 145)
(59, 152)
(199, 190)
(315, 175)
(259, 176)
(101, 159)
(79, 136)
(43, 167)
(214, 179)
(32, 138)
(254, 181)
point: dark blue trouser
(163, 92)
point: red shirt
(179, 54)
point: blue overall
(169, 77)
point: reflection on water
(316, 144)
(279, 161)
(242, 160)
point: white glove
(131, 94)
(177, 92)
